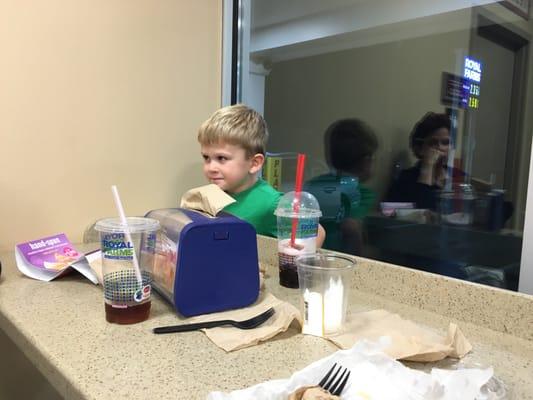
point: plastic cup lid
(135, 225)
(308, 206)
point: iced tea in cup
(127, 300)
(325, 280)
(298, 215)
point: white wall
(525, 282)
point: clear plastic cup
(126, 300)
(303, 212)
(325, 281)
(456, 207)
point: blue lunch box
(205, 264)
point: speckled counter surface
(61, 328)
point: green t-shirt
(257, 205)
(366, 203)
(358, 210)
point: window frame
(235, 44)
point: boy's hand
(320, 237)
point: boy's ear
(257, 163)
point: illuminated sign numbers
(474, 89)
(472, 72)
(473, 99)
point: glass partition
(413, 116)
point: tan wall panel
(95, 93)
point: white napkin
(374, 376)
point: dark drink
(129, 314)
(288, 273)
(126, 302)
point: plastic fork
(246, 324)
(335, 384)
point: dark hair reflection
(348, 145)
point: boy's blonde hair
(238, 125)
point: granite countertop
(61, 328)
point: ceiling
(288, 29)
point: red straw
(298, 190)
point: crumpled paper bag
(410, 341)
(230, 338)
(209, 199)
(374, 376)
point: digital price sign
(472, 73)
(463, 91)
(455, 90)
(473, 98)
(472, 70)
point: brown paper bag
(231, 338)
(209, 199)
(410, 341)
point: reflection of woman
(430, 142)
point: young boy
(233, 142)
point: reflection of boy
(350, 145)
(233, 144)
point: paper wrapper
(230, 338)
(409, 341)
(95, 262)
(209, 199)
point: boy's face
(227, 166)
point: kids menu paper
(47, 258)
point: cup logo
(147, 289)
(115, 247)
(138, 296)
(142, 294)
(307, 229)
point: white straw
(124, 221)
